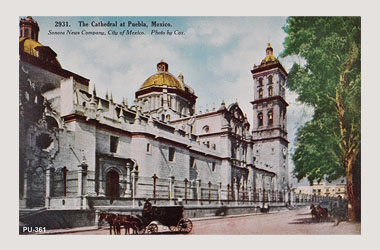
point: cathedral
(80, 150)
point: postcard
(174, 125)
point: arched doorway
(112, 185)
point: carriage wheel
(185, 225)
(152, 228)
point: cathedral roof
(160, 79)
(31, 47)
(28, 45)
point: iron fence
(65, 183)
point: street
(288, 222)
(297, 222)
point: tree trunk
(354, 212)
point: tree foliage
(329, 145)
(329, 81)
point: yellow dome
(270, 58)
(160, 79)
(29, 45)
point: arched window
(51, 122)
(270, 79)
(270, 117)
(270, 91)
(205, 129)
(260, 119)
(261, 93)
(260, 81)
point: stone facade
(82, 145)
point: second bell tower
(269, 118)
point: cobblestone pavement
(293, 222)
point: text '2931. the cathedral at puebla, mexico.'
(79, 150)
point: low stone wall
(54, 219)
(63, 203)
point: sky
(215, 55)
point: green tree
(329, 80)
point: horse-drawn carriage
(169, 216)
(152, 217)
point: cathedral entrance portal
(112, 184)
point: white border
(9, 130)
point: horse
(128, 223)
(112, 220)
(315, 215)
(324, 212)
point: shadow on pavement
(304, 221)
(304, 214)
(309, 221)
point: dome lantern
(162, 66)
(29, 28)
(269, 50)
(269, 58)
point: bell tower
(29, 28)
(269, 118)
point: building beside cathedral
(80, 150)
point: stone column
(81, 174)
(97, 214)
(236, 193)
(219, 192)
(80, 181)
(199, 191)
(27, 176)
(48, 176)
(259, 194)
(171, 190)
(134, 175)
(128, 185)
(102, 192)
